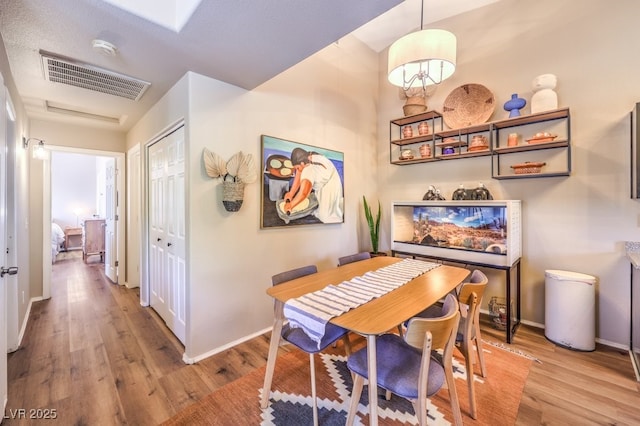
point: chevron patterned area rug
(238, 403)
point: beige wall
(576, 223)
(329, 100)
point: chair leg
(478, 341)
(356, 392)
(271, 362)
(453, 395)
(420, 408)
(468, 357)
(347, 344)
(312, 365)
(387, 395)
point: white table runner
(313, 311)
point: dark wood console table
(513, 318)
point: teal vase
(514, 105)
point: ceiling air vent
(68, 71)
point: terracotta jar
(407, 132)
(425, 150)
(423, 128)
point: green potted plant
(374, 226)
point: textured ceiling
(241, 42)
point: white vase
(544, 97)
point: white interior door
(167, 231)
(11, 281)
(133, 217)
(3, 246)
(111, 217)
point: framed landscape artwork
(301, 184)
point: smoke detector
(104, 47)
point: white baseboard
(23, 328)
(193, 360)
(126, 284)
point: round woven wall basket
(468, 105)
(232, 195)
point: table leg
(273, 354)
(373, 380)
(508, 307)
(518, 300)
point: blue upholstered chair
(354, 258)
(409, 367)
(470, 299)
(299, 338)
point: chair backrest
(442, 328)
(429, 334)
(354, 258)
(470, 299)
(293, 274)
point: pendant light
(422, 58)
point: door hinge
(115, 217)
(116, 264)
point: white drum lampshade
(422, 58)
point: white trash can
(570, 308)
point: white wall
(320, 102)
(329, 100)
(74, 188)
(577, 223)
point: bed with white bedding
(57, 239)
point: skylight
(171, 14)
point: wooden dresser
(93, 231)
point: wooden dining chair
(354, 258)
(298, 338)
(470, 299)
(408, 366)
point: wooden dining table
(370, 319)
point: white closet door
(167, 231)
(110, 240)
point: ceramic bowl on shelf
(448, 150)
(542, 137)
(406, 154)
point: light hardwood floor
(96, 357)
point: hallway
(92, 355)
